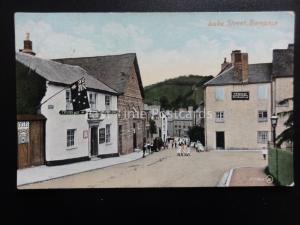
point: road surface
(160, 169)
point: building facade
(180, 121)
(240, 100)
(161, 121)
(73, 136)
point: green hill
(177, 92)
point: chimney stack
(239, 61)
(27, 45)
(224, 64)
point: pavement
(161, 169)
(250, 176)
(43, 173)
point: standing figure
(179, 150)
(144, 150)
(188, 150)
(149, 148)
(264, 153)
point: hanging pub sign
(240, 95)
(23, 132)
(70, 112)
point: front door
(220, 140)
(94, 141)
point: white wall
(57, 125)
(164, 129)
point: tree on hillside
(196, 133)
(164, 102)
(288, 134)
(178, 102)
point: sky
(167, 44)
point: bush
(285, 166)
(196, 133)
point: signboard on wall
(70, 112)
(23, 132)
(85, 134)
(240, 95)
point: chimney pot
(27, 45)
(224, 64)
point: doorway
(220, 140)
(94, 141)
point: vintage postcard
(198, 99)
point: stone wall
(130, 105)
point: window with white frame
(262, 116)
(262, 137)
(69, 105)
(219, 117)
(71, 137)
(262, 92)
(107, 101)
(92, 100)
(220, 94)
(107, 135)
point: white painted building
(164, 126)
(161, 120)
(75, 137)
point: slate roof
(258, 73)
(60, 73)
(113, 70)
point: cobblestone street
(161, 169)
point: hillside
(177, 92)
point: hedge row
(285, 166)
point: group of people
(154, 146)
(182, 148)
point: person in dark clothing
(149, 148)
(144, 150)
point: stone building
(180, 121)
(240, 100)
(121, 73)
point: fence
(31, 140)
(280, 165)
